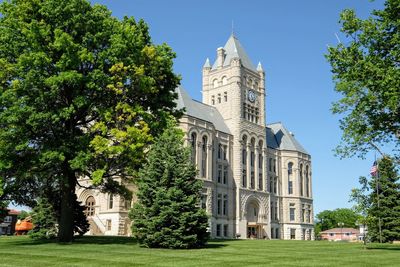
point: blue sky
(290, 39)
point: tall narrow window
(301, 180)
(224, 80)
(90, 203)
(225, 230)
(215, 83)
(204, 157)
(244, 178)
(219, 175)
(212, 100)
(219, 98)
(290, 182)
(252, 180)
(225, 152)
(110, 201)
(225, 206)
(274, 165)
(307, 182)
(292, 233)
(292, 214)
(270, 164)
(219, 204)
(244, 156)
(260, 181)
(226, 96)
(219, 151)
(194, 146)
(225, 175)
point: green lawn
(120, 251)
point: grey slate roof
(233, 49)
(278, 137)
(200, 110)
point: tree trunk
(66, 223)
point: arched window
(290, 182)
(110, 201)
(250, 83)
(301, 180)
(224, 80)
(204, 157)
(90, 203)
(307, 182)
(256, 85)
(215, 83)
(193, 143)
(226, 96)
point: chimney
(220, 57)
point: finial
(259, 67)
(207, 64)
(232, 33)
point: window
(292, 214)
(275, 185)
(218, 230)
(301, 180)
(260, 181)
(290, 168)
(219, 151)
(224, 80)
(127, 203)
(277, 233)
(303, 214)
(307, 183)
(292, 233)
(270, 164)
(244, 157)
(203, 201)
(252, 180)
(108, 225)
(7, 219)
(225, 206)
(90, 203)
(219, 177)
(331, 234)
(252, 159)
(212, 100)
(290, 182)
(110, 201)
(215, 83)
(219, 204)
(225, 230)
(225, 150)
(304, 235)
(273, 233)
(219, 98)
(204, 157)
(260, 161)
(290, 187)
(244, 178)
(226, 96)
(225, 175)
(194, 141)
(274, 166)
(276, 211)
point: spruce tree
(388, 209)
(167, 213)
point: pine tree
(167, 214)
(388, 209)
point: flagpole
(377, 195)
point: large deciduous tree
(81, 95)
(167, 213)
(379, 199)
(341, 217)
(366, 71)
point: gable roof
(200, 110)
(341, 230)
(278, 137)
(233, 49)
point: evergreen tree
(388, 208)
(44, 221)
(167, 213)
(379, 201)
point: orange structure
(23, 226)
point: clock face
(251, 96)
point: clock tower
(236, 88)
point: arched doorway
(90, 206)
(253, 227)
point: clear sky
(290, 39)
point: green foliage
(23, 214)
(81, 94)
(379, 200)
(44, 221)
(167, 214)
(329, 219)
(366, 71)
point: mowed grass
(122, 251)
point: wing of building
(257, 176)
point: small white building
(257, 176)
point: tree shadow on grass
(384, 247)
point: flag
(374, 169)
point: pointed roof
(200, 110)
(207, 64)
(233, 49)
(278, 137)
(259, 67)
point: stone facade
(257, 177)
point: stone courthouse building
(257, 176)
